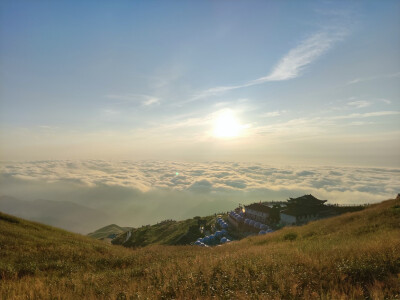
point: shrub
(291, 236)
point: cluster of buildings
(295, 211)
(242, 220)
(262, 217)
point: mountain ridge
(108, 231)
(63, 214)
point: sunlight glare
(226, 125)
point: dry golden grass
(353, 256)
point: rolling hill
(108, 231)
(352, 256)
(63, 214)
(168, 232)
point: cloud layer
(146, 176)
(137, 193)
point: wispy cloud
(359, 103)
(382, 76)
(311, 127)
(124, 98)
(307, 52)
(366, 115)
(110, 112)
(47, 127)
(360, 123)
(276, 113)
(145, 100)
(387, 101)
(291, 65)
(150, 101)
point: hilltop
(352, 256)
(168, 232)
(108, 232)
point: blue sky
(303, 82)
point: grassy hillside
(164, 233)
(106, 231)
(352, 256)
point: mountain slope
(352, 256)
(63, 214)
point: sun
(226, 125)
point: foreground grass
(353, 256)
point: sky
(310, 82)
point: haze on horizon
(122, 106)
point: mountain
(109, 231)
(62, 214)
(352, 256)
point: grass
(352, 256)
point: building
(302, 210)
(258, 212)
(292, 217)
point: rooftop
(306, 200)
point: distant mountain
(63, 214)
(109, 231)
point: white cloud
(291, 65)
(387, 101)
(124, 97)
(366, 115)
(47, 127)
(307, 52)
(360, 123)
(382, 76)
(316, 128)
(359, 103)
(276, 113)
(150, 101)
(110, 112)
(145, 100)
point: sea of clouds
(132, 193)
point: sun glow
(226, 125)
